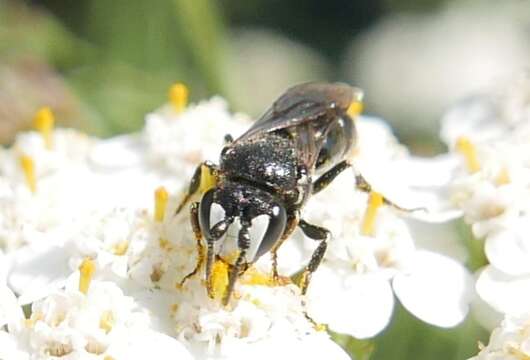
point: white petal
(505, 293)
(37, 271)
(10, 312)
(148, 344)
(117, 153)
(356, 304)
(280, 346)
(509, 251)
(436, 289)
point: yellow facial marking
(43, 123)
(106, 321)
(468, 150)
(208, 179)
(161, 199)
(86, 270)
(178, 96)
(219, 279)
(355, 108)
(375, 201)
(28, 167)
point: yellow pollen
(468, 150)
(219, 280)
(503, 177)
(86, 270)
(161, 199)
(164, 244)
(321, 327)
(43, 123)
(174, 308)
(375, 201)
(178, 96)
(106, 321)
(108, 357)
(120, 248)
(28, 166)
(355, 108)
(208, 179)
(254, 277)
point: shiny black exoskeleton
(293, 151)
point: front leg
(194, 220)
(204, 178)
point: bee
(296, 149)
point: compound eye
(205, 208)
(276, 227)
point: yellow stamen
(466, 148)
(375, 201)
(178, 96)
(208, 179)
(355, 108)
(161, 199)
(28, 166)
(43, 122)
(86, 270)
(219, 280)
(120, 248)
(503, 177)
(106, 321)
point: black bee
(292, 152)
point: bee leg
(316, 233)
(363, 185)
(243, 243)
(195, 182)
(292, 222)
(360, 183)
(325, 179)
(215, 233)
(194, 219)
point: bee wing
(303, 104)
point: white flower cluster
(92, 243)
(491, 185)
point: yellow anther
(161, 199)
(120, 248)
(86, 270)
(43, 123)
(106, 321)
(178, 96)
(375, 201)
(219, 279)
(355, 108)
(503, 177)
(174, 308)
(208, 179)
(321, 327)
(28, 166)
(468, 150)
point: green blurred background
(102, 65)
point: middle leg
(316, 233)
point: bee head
(250, 217)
